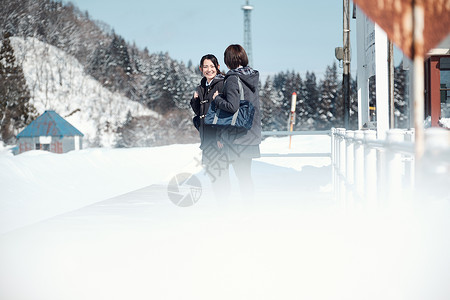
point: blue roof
(49, 124)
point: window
(45, 147)
(445, 93)
(445, 86)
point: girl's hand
(215, 94)
(219, 144)
(195, 94)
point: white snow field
(99, 224)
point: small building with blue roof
(49, 132)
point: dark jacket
(200, 107)
(230, 98)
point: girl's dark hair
(235, 56)
(213, 59)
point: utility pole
(418, 13)
(346, 78)
(247, 8)
(292, 116)
(391, 84)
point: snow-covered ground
(38, 184)
(99, 224)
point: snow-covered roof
(49, 124)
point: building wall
(68, 143)
(57, 145)
(25, 144)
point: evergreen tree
(285, 84)
(338, 105)
(353, 121)
(119, 55)
(111, 65)
(272, 115)
(190, 65)
(16, 111)
(400, 98)
(372, 99)
(294, 84)
(266, 105)
(301, 103)
(118, 66)
(311, 97)
(97, 65)
(329, 96)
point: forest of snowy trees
(155, 80)
(320, 102)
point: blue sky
(286, 35)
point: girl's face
(208, 69)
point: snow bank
(140, 246)
(299, 144)
(445, 122)
(37, 184)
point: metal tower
(247, 32)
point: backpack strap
(241, 89)
(241, 93)
(235, 115)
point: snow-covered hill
(57, 81)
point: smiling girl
(211, 82)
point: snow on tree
(147, 131)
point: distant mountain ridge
(87, 73)
(57, 81)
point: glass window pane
(445, 93)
